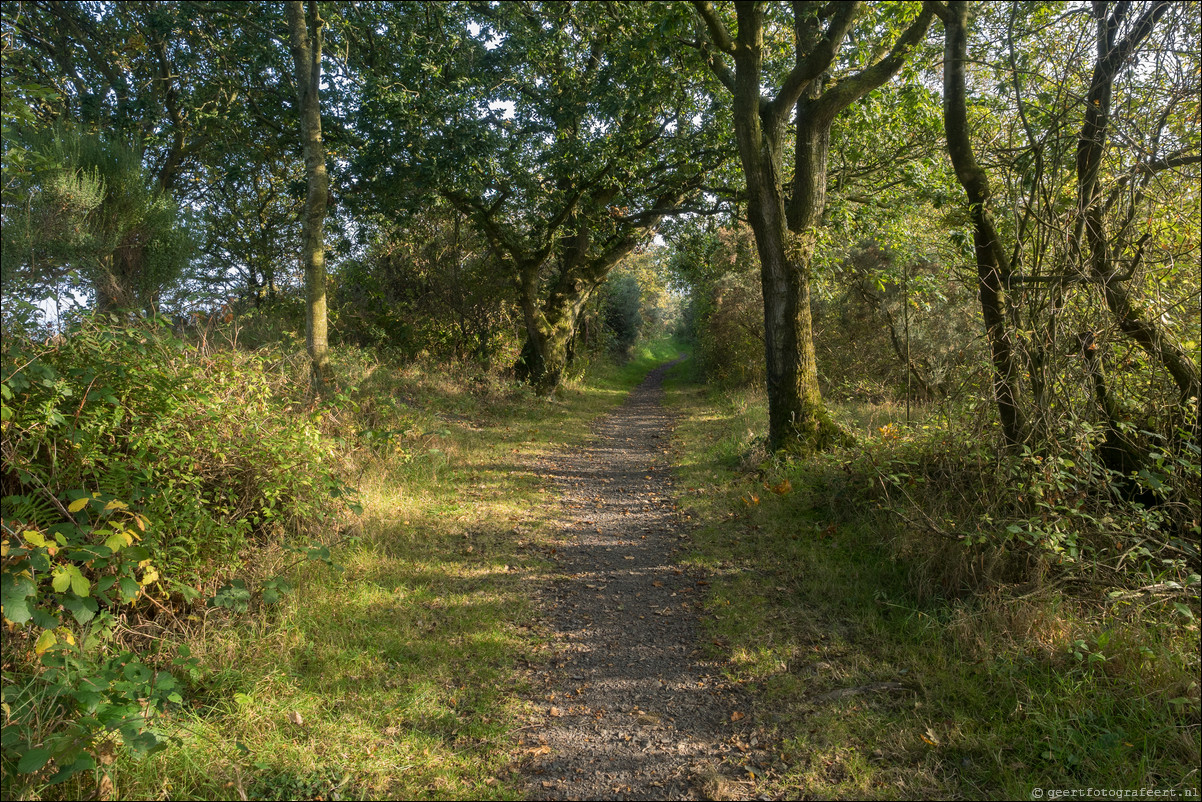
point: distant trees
(472, 173)
(565, 133)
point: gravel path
(630, 709)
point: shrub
(199, 443)
(130, 459)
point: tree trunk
(797, 418)
(993, 264)
(1091, 222)
(551, 323)
(305, 38)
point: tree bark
(786, 237)
(1091, 222)
(993, 265)
(305, 40)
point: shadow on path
(631, 709)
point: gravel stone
(632, 710)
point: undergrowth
(912, 628)
(194, 609)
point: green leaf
(45, 620)
(61, 579)
(82, 763)
(129, 588)
(80, 585)
(17, 611)
(33, 760)
(84, 610)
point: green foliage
(1017, 516)
(877, 315)
(425, 284)
(64, 586)
(128, 453)
(621, 310)
(725, 318)
(91, 209)
(199, 443)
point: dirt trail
(631, 709)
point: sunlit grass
(398, 676)
(876, 688)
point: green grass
(876, 688)
(405, 670)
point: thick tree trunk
(992, 261)
(551, 323)
(797, 418)
(305, 37)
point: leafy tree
(426, 283)
(1095, 185)
(605, 137)
(91, 208)
(824, 76)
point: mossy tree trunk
(786, 229)
(305, 40)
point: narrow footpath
(631, 708)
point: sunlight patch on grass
(877, 689)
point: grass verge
(400, 675)
(875, 687)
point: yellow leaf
(66, 635)
(34, 538)
(151, 575)
(115, 505)
(45, 641)
(77, 505)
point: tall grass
(893, 656)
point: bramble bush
(134, 464)
(1034, 510)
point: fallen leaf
(556, 712)
(735, 716)
(296, 718)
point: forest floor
(632, 707)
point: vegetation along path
(632, 710)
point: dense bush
(976, 518)
(425, 284)
(197, 443)
(884, 312)
(132, 463)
